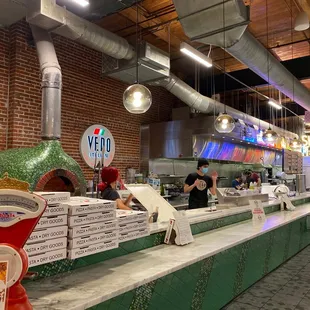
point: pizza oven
(46, 167)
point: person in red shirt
(252, 177)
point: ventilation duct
(46, 14)
(202, 21)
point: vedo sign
(97, 142)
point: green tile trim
(271, 237)
(287, 241)
(202, 283)
(143, 296)
(241, 267)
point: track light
(301, 21)
(274, 103)
(82, 2)
(196, 55)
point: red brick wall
(87, 99)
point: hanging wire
(224, 35)
(137, 43)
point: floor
(286, 288)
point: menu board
(292, 162)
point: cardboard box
(92, 239)
(52, 221)
(53, 198)
(77, 220)
(84, 205)
(133, 235)
(92, 249)
(125, 228)
(124, 216)
(48, 233)
(45, 246)
(79, 231)
(44, 258)
(52, 210)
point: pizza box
(124, 216)
(53, 198)
(48, 233)
(84, 205)
(133, 235)
(44, 258)
(92, 249)
(92, 239)
(45, 246)
(52, 221)
(79, 231)
(125, 228)
(77, 220)
(58, 209)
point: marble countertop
(90, 286)
(204, 214)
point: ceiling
(271, 23)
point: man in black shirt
(198, 183)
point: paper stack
(48, 242)
(92, 226)
(132, 224)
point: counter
(226, 260)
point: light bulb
(137, 99)
(224, 126)
(224, 123)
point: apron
(197, 204)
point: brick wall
(87, 99)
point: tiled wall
(128, 247)
(212, 283)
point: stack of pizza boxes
(48, 241)
(93, 227)
(132, 224)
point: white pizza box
(45, 246)
(126, 216)
(79, 231)
(125, 228)
(92, 249)
(133, 235)
(93, 239)
(84, 205)
(48, 233)
(58, 209)
(52, 221)
(53, 198)
(77, 220)
(48, 257)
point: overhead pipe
(224, 24)
(52, 17)
(47, 14)
(51, 84)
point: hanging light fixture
(224, 123)
(301, 21)
(137, 98)
(296, 144)
(270, 136)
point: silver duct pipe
(207, 105)
(203, 21)
(48, 15)
(51, 84)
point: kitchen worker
(252, 177)
(109, 176)
(237, 183)
(198, 184)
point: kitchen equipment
(130, 175)
(300, 183)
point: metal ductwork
(207, 105)
(47, 15)
(51, 84)
(204, 21)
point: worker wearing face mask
(198, 184)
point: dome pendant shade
(301, 22)
(270, 136)
(137, 99)
(224, 123)
(296, 144)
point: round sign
(97, 145)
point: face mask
(205, 170)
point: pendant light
(137, 98)
(301, 21)
(224, 123)
(270, 136)
(296, 144)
